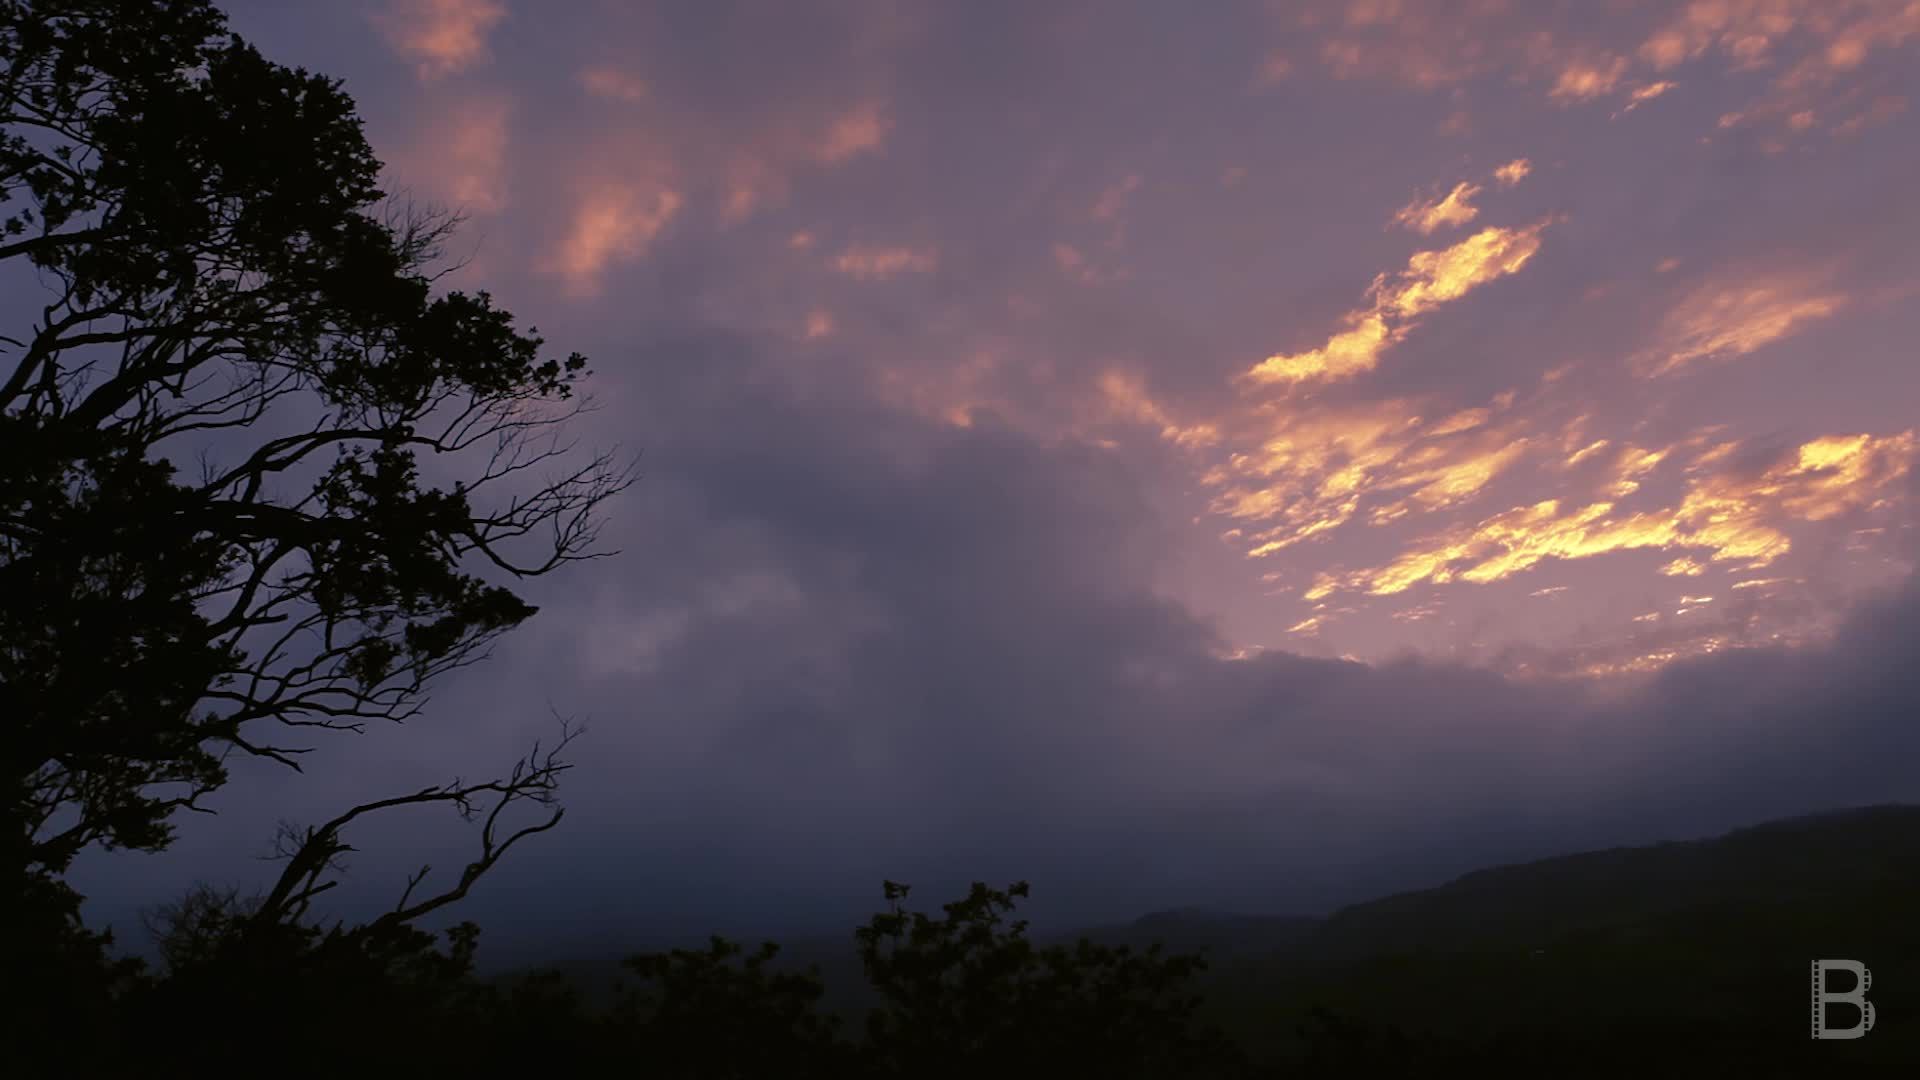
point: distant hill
(1705, 944)
(1700, 947)
(1793, 860)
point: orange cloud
(860, 129)
(1828, 38)
(1728, 517)
(1428, 214)
(1349, 352)
(880, 263)
(1723, 320)
(1629, 466)
(613, 222)
(1587, 451)
(757, 172)
(461, 156)
(476, 157)
(1586, 79)
(1513, 172)
(1818, 43)
(1307, 473)
(1641, 95)
(1124, 396)
(950, 394)
(1432, 278)
(440, 36)
(1746, 30)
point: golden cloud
(1432, 278)
(1587, 451)
(1722, 320)
(1513, 172)
(1311, 471)
(1425, 215)
(1349, 352)
(1727, 517)
(1643, 94)
(1629, 466)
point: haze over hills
(1712, 935)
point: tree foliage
(965, 994)
(216, 435)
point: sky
(1247, 454)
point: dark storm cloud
(843, 643)
(849, 637)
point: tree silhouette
(698, 1014)
(964, 994)
(970, 993)
(214, 519)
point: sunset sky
(1243, 453)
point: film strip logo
(1857, 997)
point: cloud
(1300, 474)
(1584, 80)
(1513, 172)
(1821, 51)
(611, 223)
(1274, 68)
(1425, 215)
(881, 263)
(1349, 352)
(1724, 319)
(856, 131)
(758, 173)
(1431, 279)
(613, 84)
(1643, 94)
(1730, 515)
(441, 36)
(462, 156)
(936, 566)
(886, 648)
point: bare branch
(313, 852)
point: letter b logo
(1822, 997)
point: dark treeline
(215, 540)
